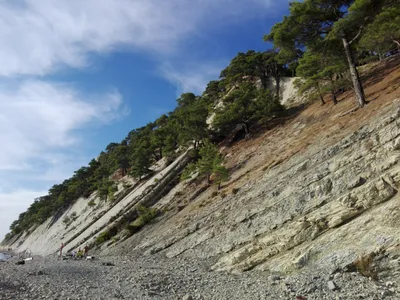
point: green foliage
(220, 173)
(323, 70)
(252, 64)
(244, 106)
(237, 109)
(188, 171)
(309, 40)
(146, 215)
(91, 203)
(266, 107)
(314, 24)
(209, 164)
(106, 235)
(141, 162)
(383, 34)
(191, 114)
(66, 220)
(106, 189)
(103, 237)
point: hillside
(279, 181)
(316, 192)
(284, 183)
(298, 194)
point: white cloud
(39, 120)
(38, 117)
(39, 36)
(191, 77)
(11, 205)
(38, 128)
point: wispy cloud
(39, 117)
(39, 124)
(40, 120)
(192, 77)
(41, 36)
(11, 203)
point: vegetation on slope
(321, 40)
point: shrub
(235, 191)
(66, 220)
(126, 185)
(91, 203)
(188, 171)
(146, 215)
(74, 216)
(104, 236)
(364, 265)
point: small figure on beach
(80, 253)
(61, 249)
(85, 250)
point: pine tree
(313, 21)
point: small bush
(91, 203)
(214, 194)
(235, 191)
(74, 216)
(364, 265)
(188, 172)
(146, 215)
(104, 236)
(178, 194)
(126, 185)
(111, 191)
(66, 220)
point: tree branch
(359, 32)
(396, 41)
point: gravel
(156, 277)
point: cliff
(318, 190)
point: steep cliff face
(86, 222)
(321, 189)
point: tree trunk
(246, 128)
(334, 99)
(264, 82)
(320, 95)
(278, 83)
(355, 77)
(333, 94)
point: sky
(76, 75)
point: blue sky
(76, 75)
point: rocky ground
(308, 198)
(156, 277)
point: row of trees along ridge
(322, 41)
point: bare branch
(396, 41)
(359, 32)
(357, 35)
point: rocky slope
(317, 192)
